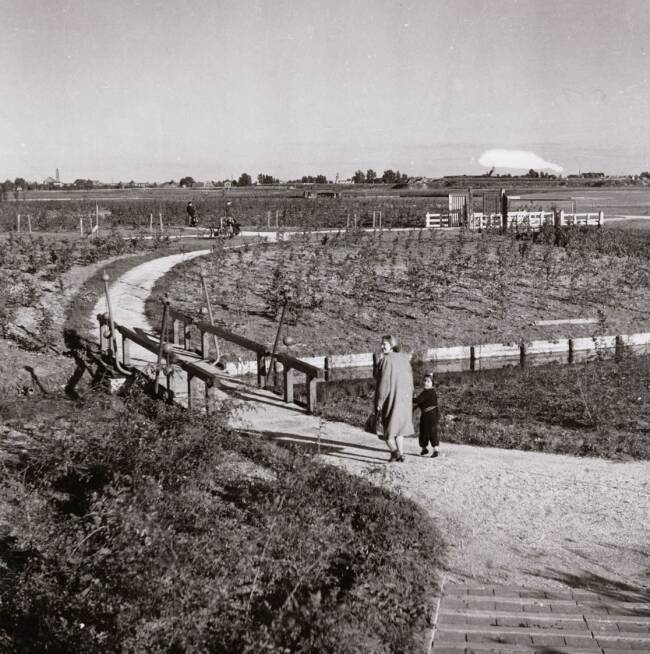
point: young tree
(359, 177)
(371, 176)
(389, 177)
(244, 180)
(186, 181)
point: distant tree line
(370, 177)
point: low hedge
(142, 528)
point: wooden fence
(182, 326)
(199, 368)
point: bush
(152, 530)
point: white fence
(517, 220)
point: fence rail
(516, 220)
(182, 326)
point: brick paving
(509, 619)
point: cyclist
(192, 218)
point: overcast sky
(155, 90)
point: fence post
(161, 222)
(81, 225)
(570, 351)
(29, 223)
(102, 338)
(187, 337)
(562, 218)
(189, 390)
(176, 327)
(472, 358)
(328, 369)
(261, 371)
(210, 397)
(126, 351)
(312, 383)
(601, 218)
(288, 383)
(268, 219)
(205, 344)
(18, 223)
(151, 223)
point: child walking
(427, 402)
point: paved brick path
(507, 619)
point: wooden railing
(182, 325)
(192, 370)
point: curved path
(511, 518)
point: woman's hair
(393, 340)
(427, 375)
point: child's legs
(433, 435)
(423, 437)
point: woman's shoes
(434, 454)
(400, 458)
(396, 455)
(424, 451)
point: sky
(151, 90)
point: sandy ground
(513, 517)
(510, 517)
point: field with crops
(430, 288)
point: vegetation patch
(428, 287)
(598, 408)
(141, 528)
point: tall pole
(210, 314)
(277, 338)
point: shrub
(155, 531)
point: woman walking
(394, 396)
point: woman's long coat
(394, 394)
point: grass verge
(598, 408)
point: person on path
(427, 402)
(191, 215)
(394, 396)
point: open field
(132, 208)
(430, 288)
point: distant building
(52, 182)
(313, 195)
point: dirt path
(510, 517)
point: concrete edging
(483, 351)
